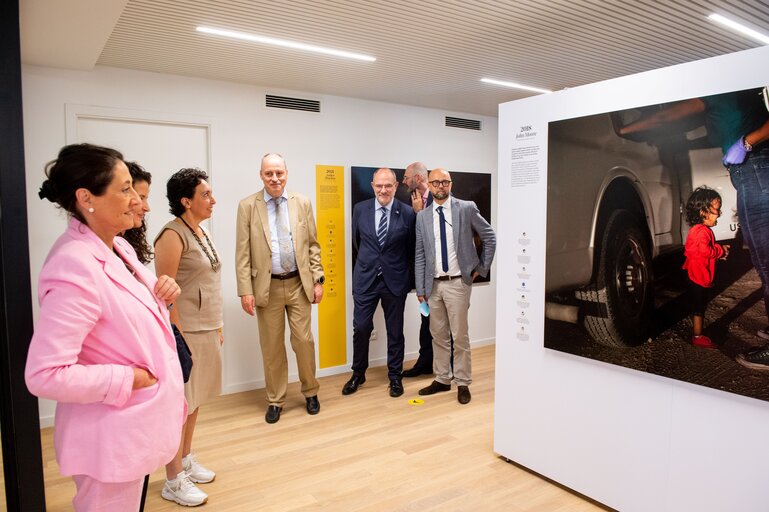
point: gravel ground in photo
(735, 312)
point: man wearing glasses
(383, 237)
(446, 264)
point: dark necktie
(381, 231)
(444, 247)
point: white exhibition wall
(63, 106)
(631, 440)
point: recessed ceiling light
(742, 29)
(284, 43)
(513, 85)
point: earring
(90, 209)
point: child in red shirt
(702, 211)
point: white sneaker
(183, 491)
(197, 473)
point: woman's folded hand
(166, 289)
(143, 378)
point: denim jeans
(751, 180)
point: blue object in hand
(736, 154)
(424, 308)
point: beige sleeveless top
(200, 303)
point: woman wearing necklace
(184, 251)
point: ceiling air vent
(467, 124)
(293, 103)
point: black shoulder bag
(185, 356)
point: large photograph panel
(618, 184)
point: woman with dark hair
(137, 235)
(183, 249)
(103, 346)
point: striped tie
(284, 236)
(381, 231)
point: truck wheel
(619, 301)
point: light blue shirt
(274, 242)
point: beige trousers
(287, 299)
(449, 302)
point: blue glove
(736, 154)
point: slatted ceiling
(431, 53)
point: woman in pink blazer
(103, 346)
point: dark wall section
(470, 186)
(19, 423)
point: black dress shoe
(417, 370)
(313, 406)
(353, 384)
(463, 394)
(396, 388)
(273, 414)
(434, 387)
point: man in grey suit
(446, 264)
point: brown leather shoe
(434, 387)
(463, 394)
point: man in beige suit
(277, 261)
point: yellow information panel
(332, 320)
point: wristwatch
(747, 146)
(321, 280)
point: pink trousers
(95, 496)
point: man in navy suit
(383, 236)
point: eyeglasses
(440, 183)
(386, 186)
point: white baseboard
(47, 421)
(336, 370)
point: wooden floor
(364, 452)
